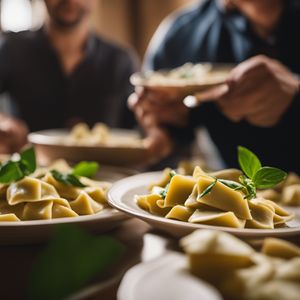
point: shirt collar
(88, 47)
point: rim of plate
(123, 186)
(110, 215)
(50, 138)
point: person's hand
(158, 144)
(13, 134)
(155, 108)
(260, 91)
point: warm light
(16, 15)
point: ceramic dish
(27, 232)
(165, 278)
(218, 75)
(121, 196)
(50, 145)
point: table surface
(142, 244)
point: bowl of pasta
(186, 79)
(217, 265)
(228, 200)
(34, 200)
(117, 147)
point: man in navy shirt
(62, 74)
(259, 107)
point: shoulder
(181, 20)
(177, 28)
(12, 39)
(294, 4)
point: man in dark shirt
(62, 74)
(259, 107)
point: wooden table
(142, 244)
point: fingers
(154, 108)
(158, 143)
(213, 93)
(5, 142)
(13, 134)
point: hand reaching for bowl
(260, 90)
(13, 134)
(154, 109)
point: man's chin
(67, 23)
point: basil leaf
(207, 190)
(86, 169)
(28, 159)
(10, 171)
(16, 169)
(173, 173)
(231, 184)
(268, 177)
(248, 161)
(71, 259)
(249, 186)
(67, 179)
(164, 192)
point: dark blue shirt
(206, 33)
(45, 97)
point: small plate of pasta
(226, 200)
(186, 79)
(33, 200)
(118, 147)
(217, 265)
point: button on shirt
(205, 32)
(45, 97)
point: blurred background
(128, 22)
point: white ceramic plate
(165, 278)
(27, 232)
(50, 146)
(121, 196)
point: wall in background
(133, 22)
(128, 22)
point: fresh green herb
(249, 187)
(164, 192)
(248, 161)
(10, 171)
(208, 189)
(17, 168)
(172, 174)
(267, 177)
(67, 179)
(86, 169)
(72, 258)
(256, 176)
(232, 184)
(28, 161)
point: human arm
(260, 91)
(13, 132)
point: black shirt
(45, 97)
(206, 33)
